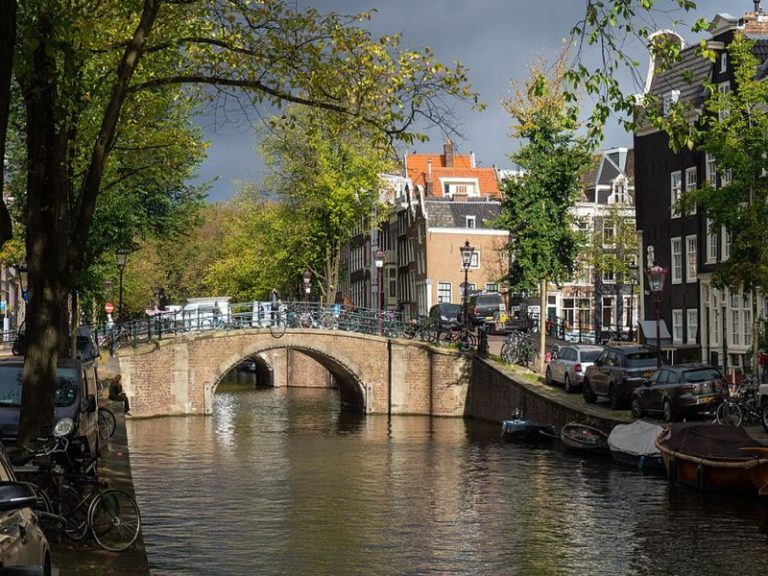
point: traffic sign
(108, 308)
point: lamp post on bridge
(379, 259)
(656, 276)
(122, 259)
(466, 261)
(307, 284)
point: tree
(80, 66)
(329, 179)
(536, 206)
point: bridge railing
(261, 315)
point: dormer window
(470, 221)
(460, 186)
(670, 99)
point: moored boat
(635, 444)
(711, 457)
(520, 430)
(584, 439)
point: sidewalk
(88, 559)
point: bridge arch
(179, 374)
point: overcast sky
(495, 39)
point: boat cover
(637, 438)
(710, 441)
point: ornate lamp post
(656, 276)
(466, 260)
(307, 284)
(122, 258)
(379, 259)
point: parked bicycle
(76, 504)
(518, 349)
(742, 407)
(458, 336)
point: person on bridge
(116, 393)
(275, 300)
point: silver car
(570, 363)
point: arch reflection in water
(280, 481)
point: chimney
(448, 153)
(429, 177)
(472, 160)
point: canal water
(279, 481)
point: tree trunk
(542, 327)
(7, 44)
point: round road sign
(108, 308)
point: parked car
(486, 307)
(570, 363)
(23, 546)
(680, 390)
(617, 372)
(77, 390)
(446, 315)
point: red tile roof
(417, 166)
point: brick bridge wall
(179, 375)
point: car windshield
(701, 375)
(590, 355)
(450, 309)
(10, 386)
(641, 360)
(488, 299)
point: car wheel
(589, 396)
(567, 386)
(613, 399)
(669, 414)
(637, 408)
(548, 376)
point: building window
(677, 326)
(676, 186)
(609, 276)
(712, 242)
(691, 183)
(735, 327)
(724, 62)
(609, 234)
(711, 170)
(677, 260)
(670, 99)
(690, 243)
(444, 290)
(693, 325)
(747, 327)
(475, 262)
(461, 186)
(470, 221)
(723, 88)
(491, 287)
(726, 243)
(727, 178)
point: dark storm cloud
(495, 39)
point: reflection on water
(278, 481)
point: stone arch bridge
(375, 375)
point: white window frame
(711, 169)
(712, 243)
(723, 88)
(692, 325)
(747, 322)
(449, 186)
(735, 327)
(677, 326)
(470, 222)
(691, 258)
(442, 290)
(725, 236)
(676, 189)
(691, 183)
(676, 265)
(474, 263)
(724, 62)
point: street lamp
(632, 282)
(379, 258)
(466, 260)
(122, 258)
(656, 276)
(307, 284)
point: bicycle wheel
(107, 423)
(729, 413)
(277, 326)
(467, 342)
(74, 508)
(42, 502)
(506, 353)
(114, 520)
(445, 338)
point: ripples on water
(280, 482)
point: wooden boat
(520, 430)
(584, 439)
(635, 444)
(711, 457)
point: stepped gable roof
(445, 213)
(417, 169)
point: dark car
(683, 389)
(446, 315)
(75, 403)
(570, 363)
(617, 372)
(23, 546)
(486, 307)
